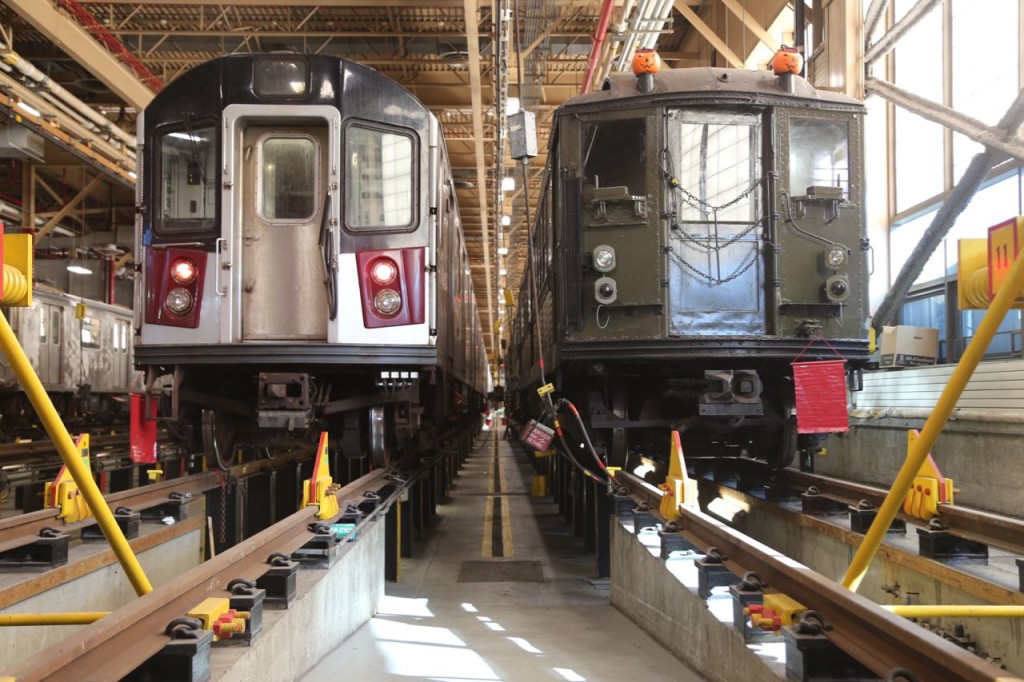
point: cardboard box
(904, 346)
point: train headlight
(383, 271)
(387, 302)
(179, 301)
(604, 258)
(835, 257)
(606, 291)
(837, 288)
(183, 271)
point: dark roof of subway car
(709, 83)
(229, 80)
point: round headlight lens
(835, 257)
(604, 258)
(179, 301)
(387, 302)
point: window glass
(615, 155)
(979, 89)
(919, 159)
(379, 182)
(288, 178)
(1006, 341)
(819, 155)
(55, 327)
(187, 186)
(281, 77)
(904, 239)
(91, 330)
(928, 311)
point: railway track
(973, 524)
(20, 529)
(878, 639)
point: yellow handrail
(72, 458)
(956, 611)
(82, 618)
(920, 447)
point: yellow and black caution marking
(497, 540)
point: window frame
(415, 173)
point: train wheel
(218, 440)
(786, 452)
(381, 435)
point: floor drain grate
(501, 572)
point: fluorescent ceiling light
(79, 270)
(506, 220)
(511, 106)
(31, 110)
(508, 183)
(502, 250)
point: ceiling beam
(420, 4)
(709, 34)
(750, 22)
(68, 208)
(473, 43)
(83, 48)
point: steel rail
(114, 646)
(20, 529)
(981, 526)
(861, 628)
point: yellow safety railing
(82, 618)
(919, 447)
(72, 458)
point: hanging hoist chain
(227, 486)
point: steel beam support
(709, 34)
(961, 195)
(876, 10)
(73, 39)
(889, 40)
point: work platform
(500, 590)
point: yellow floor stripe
(506, 528)
(488, 547)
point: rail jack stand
(47, 551)
(862, 516)
(935, 542)
(186, 658)
(712, 573)
(126, 519)
(812, 657)
(279, 582)
(643, 518)
(673, 541)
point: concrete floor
(429, 626)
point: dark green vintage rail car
(690, 242)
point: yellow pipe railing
(82, 618)
(956, 611)
(919, 447)
(72, 458)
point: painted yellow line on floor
(487, 548)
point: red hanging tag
(142, 430)
(820, 388)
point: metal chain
(697, 202)
(682, 235)
(715, 281)
(227, 484)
